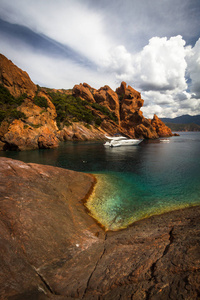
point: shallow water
(134, 182)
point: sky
(152, 45)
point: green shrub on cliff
(16, 114)
(70, 109)
(7, 99)
(40, 101)
(105, 111)
(5, 96)
(11, 114)
(9, 104)
(2, 115)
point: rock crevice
(95, 267)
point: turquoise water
(134, 182)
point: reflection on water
(133, 181)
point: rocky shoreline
(52, 249)
(34, 117)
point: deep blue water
(133, 181)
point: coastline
(61, 252)
(100, 201)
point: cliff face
(14, 79)
(36, 127)
(33, 122)
(125, 103)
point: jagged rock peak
(160, 127)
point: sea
(133, 182)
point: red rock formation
(77, 131)
(14, 79)
(132, 119)
(121, 90)
(47, 139)
(161, 129)
(130, 104)
(21, 136)
(108, 98)
(126, 103)
(91, 89)
(39, 128)
(83, 92)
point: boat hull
(122, 142)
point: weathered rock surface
(38, 129)
(125, 103)
(51, 248)
(83, 92)
(161, 129)
(78, 131)
(14, 79)
(108, 98)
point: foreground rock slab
(50, 248)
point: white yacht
(121, 141)
(165, 140)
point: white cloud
(158, 71)
(120, 62)
(107, 37)
(170, 104)
(70, 23)
(162, 104)
(51, 71)
(193, 61)
(160, 65)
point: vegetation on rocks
(9, 104)
(40, 101)
(73, 109)
(80, 114)
(104, 110)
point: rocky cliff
(14, 79)
(29, 123)
(32, 117)
(125, 103)
(50, 248)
